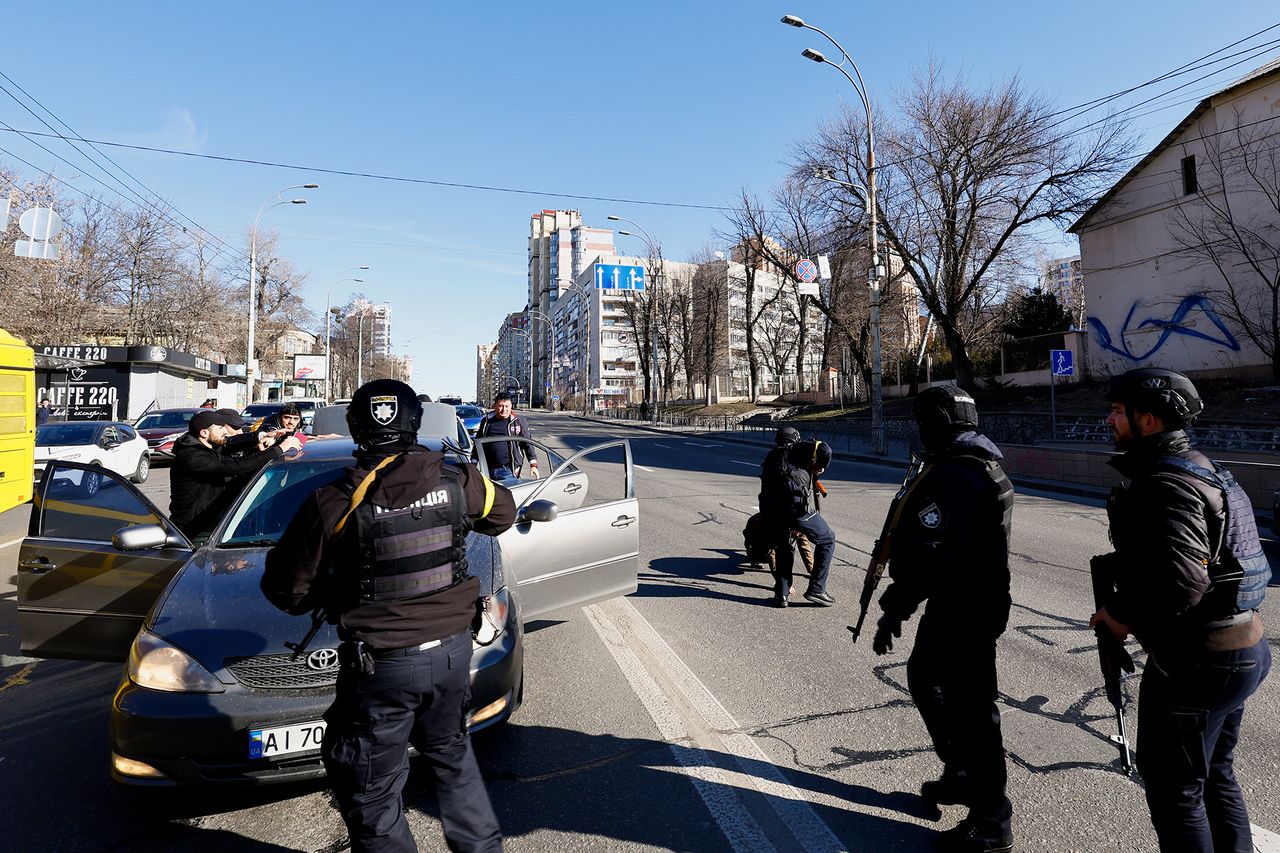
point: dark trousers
(1188, 725)
(417, 696)
(952, 678)
(819, 533)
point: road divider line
(719, 732)
(667, 446)
(1264, 840)
(703, 444)
(714, 786)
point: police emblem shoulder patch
(931, 516)
(383, 408)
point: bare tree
(681, 344)
(1229, 226)
(964, 176)
(709, 329)
(752, 229)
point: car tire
(144, 468)
(92, 480)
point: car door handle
(624, 521)
(40, 565)
(572, 487)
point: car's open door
(96, 557)
(583, 553)
(568, 486)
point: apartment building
(486, 381)
(511, 356)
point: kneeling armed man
(382, 551)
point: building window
(1189, 184)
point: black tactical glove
(886, 629)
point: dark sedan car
(161, 428)
(214, 690)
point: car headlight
(492, 619)
(157, 665)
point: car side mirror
(110, 444)
(140, 537)
(540, 510)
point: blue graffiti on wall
(1168, 328)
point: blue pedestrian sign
(1061, 360)
(619, 277)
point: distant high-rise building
(511, 361)
(486, 382)
(376, 317)
(560, 248)
(1064, 278)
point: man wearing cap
(202, 473)
(1188, 574)
(950, 548)
(786, 482)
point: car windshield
(58, 435)
(271, 502)
(261, 410)
(470, 412)
(165, 420)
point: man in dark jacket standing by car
(382, 551)
(950, 547)
(1188, 574)
(201, 480)
(506, 458)
(786, 483)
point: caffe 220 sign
(101, 391)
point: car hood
(160, 432)
(214, 609)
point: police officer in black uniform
(951, 549)
(382, 551)
(1188, 573)
(786, 483)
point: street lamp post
(253, 276)
(874, 273)
(654, 301)
(328, 316)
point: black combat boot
(952, 789)
(971, 836)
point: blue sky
(675, 102)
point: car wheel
(144, 468)
(92, 481)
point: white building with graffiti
(1180, 257)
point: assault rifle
(317, 619)
(1112, 655)
(880, 550)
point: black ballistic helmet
(1157, 391)
(786, 436)
(384, 411)
(945, 409)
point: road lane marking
(667, 446)
(4, 545)
(703, 444)
(684, 709)
(1264, 840)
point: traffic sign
(1062, 361)
(619, 277)
(555, 398)
(806, 270)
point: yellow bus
(17, 421)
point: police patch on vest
(436, 498)
(931, 516)
(383, 408)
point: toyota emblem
(322, 659)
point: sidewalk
(852, 448)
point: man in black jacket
(951, 549)
(202, 480)
(506, 458)
(1182, 589)
(786, 483)
(382, 551)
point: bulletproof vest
(1239, 570)
(1002, 514)
(409, 551)
(784, 487)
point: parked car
(471, 416)
(161, 428)
(215, 691)
(111, 445)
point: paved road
(689, 716)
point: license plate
(283, 740)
